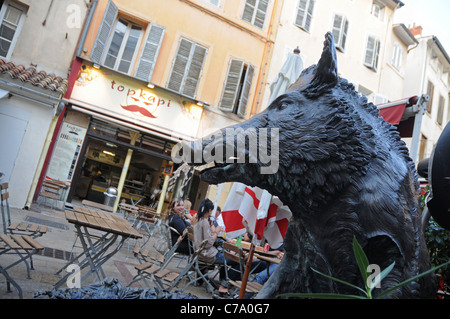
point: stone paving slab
(58, 242)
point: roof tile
(36, 78)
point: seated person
(257, 265)
(203, 229)
(175, 216)
(264, 275)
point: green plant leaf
(361, 259)
(321, 296)
(339, 280)
(390, 290)
(381, 276)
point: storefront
(119, 132)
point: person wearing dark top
(176, 220)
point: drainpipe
(267, 54)
(86, 28)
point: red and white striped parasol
(255, 210)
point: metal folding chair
(204, 271)
(147, 260)
(54, 191)
(165, 279)
(236, 254)
(22, 245)
(5, 206)
(16, 228)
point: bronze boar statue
(343, 171)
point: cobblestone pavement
(58, 243)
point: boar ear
(326, 73)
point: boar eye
(283, 105)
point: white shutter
(246, 91)
(304, 14)
(150, 52)
(187, 68)
(231, 86)
(340, 28)
(337, 22)
(255, 12)
(344, 34)
(179, 65)
(249, 9)
(309, 15)
(103, 33)
(261, 13)
(194, 70)
(377, 54)
(372, 52)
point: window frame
(19, 26)
(341, 41)
(430, 92)
(308, 12)
(373, 65)
(397, 55)
(187, 67)
(147, 49)
(255, 9)
(381, 10)
(241, 90)
(440, 112)
(211, 2)
(133, 62)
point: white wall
(350, 62)
(50, 46)
(30, 150)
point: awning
(400, 113)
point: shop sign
(111, 94)
(65, 155)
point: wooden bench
(24, 246)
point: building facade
(148, 74)
(432, 78)
(366, 41)
(37, 48)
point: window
(304, 14)
(123, 46)
(430, 92)
(187, 68)
(213, 2)
(397, 56)
(422, 147)
(12, 17)
(237, 87)
(118, 41)
(440, 114)
(378, 10)
(372, 53)
(255, 12)
(340, 28)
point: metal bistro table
(95, 248)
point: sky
(432, 15)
